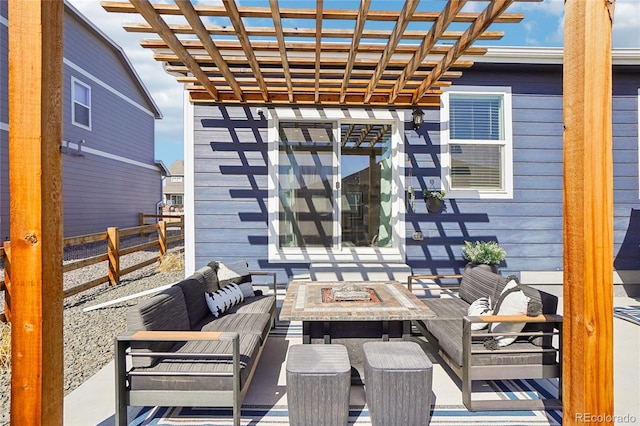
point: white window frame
(339, 253)
(75, 81)
(506, 192)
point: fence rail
(112, 238)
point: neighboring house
(109, 172)
(264, 183)
(174, 187)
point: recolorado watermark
(606, 418)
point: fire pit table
(326, 314)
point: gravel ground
(89, 336)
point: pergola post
(35, 182)
(588, 212)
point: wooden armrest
(552, 318)
(175, 336)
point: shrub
(482, 252)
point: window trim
(339, 253)
(73, 103)
(507, 174)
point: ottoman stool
(397, 381)
(318, 384)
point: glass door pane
(306, 170)
(366, 173)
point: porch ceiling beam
(363, 135)
(486, 18)
(234, 15)
(277, 24)
(319, 6)
(445, 18)
(355, 43)
(390, 75)
(403, 20)
(430, 100)
(159, 26)
(306, 47)
(273, 60)
(332, 14)
(194, 20)
(135, 27)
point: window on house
(81, 105)
(176, 199)
(477, 142)
(336, 189)
(176, 179)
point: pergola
(398, 56)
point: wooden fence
(112, 237)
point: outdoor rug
(265, 402)
(628, 313)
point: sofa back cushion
(193, 292)
(478, 282)
(210, 278)
(540, 302)
(164, 311)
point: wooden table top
(303, 302)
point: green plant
(483, 252)
(433, 194)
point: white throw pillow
(235, 272)
(512, 301)
(222, 300)
(480, 307)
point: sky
(541, 27)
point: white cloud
(626, 24)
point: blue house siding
(230, 189)
(529, 226)
(231, 178)
(116, 177)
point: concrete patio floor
(93, 402)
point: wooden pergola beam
(407, 12)
(355, 43)
(451, 9)
(588, 212)
(327, 14)
(148, 12)
(277, 24)
(138, 27)
(493, 10)
(35, 184)
(194, 20)
(234, 15)
(319, 8)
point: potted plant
(433, 199)
(483, 253)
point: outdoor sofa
(176, 352)
(476, 354)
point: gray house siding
(115, 177)
(231, 178)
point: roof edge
(547, 55)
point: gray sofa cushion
(164, 311)
(447, 308)
(449, 335)
(478, 282)
(210, 278)
(256, 324)
(193, 292)
(255, 305)
(249, 347)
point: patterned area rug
(265, 403)
(628, 313)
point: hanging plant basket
(434, 205)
